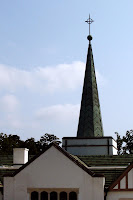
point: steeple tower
(90, 139)
(90, 122)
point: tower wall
(90, 146)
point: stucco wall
(53, 170)
(8, 187)
(123, 195)
(130, 179)
(120, 195)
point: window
(34, 195)
(72, 196)
(44, 196)
(53, 196)
(63, 196)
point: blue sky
(43, 50)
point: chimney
(20, 156)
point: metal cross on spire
(89, 21)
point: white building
(57, 175)
(54, 174)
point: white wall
(8, 188)
(128, 195)
(20, 155)
(130, 179)
(53, 170)
(120, 195)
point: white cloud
(13, 121)
(21, 94)
(63, 76)
(9, 103)
(12, 78)
(44, 79)
(9, 116)
(59, 113)
(56, 119)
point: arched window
(34, 196)
(44, 196)
(63, 196)
(53, 196)
(72, 196)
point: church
(86, 167)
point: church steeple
(90, 122)
(90, 139)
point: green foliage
(128, 140)
(125, 144)
(32, 146)
(8, 142)
(46, 139)
(119, 143)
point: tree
(125, 144)
(128, 140)
(46, 139)
(8, 142)
(32, 146)
(119, 141)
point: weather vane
(89, 21)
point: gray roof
(12, 172)
(111, 166)
(117, 164)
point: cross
(89, 21)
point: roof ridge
(80, 164)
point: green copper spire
(90, 121)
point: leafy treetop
(8, 142)
(125, 143)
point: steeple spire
(90, 122)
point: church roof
(107, 160)
(125, 175)
(12, 172)
(110, 166)
(111, 174)
(90, 122)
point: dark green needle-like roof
(90, 122)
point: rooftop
(110, 166)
